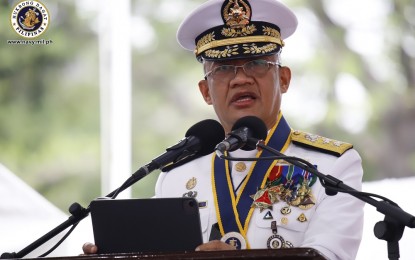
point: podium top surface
(289, 253)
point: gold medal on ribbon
(262, 200)
(306, 197)
(234, 239)
(308, 202)
(237, 208)
(274, 192)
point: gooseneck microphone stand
(78, 213)
(390, 229)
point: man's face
(245, 95)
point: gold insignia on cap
(254, 49)
(235, 15)
(238, 36)
(191, 183)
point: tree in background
(387, 142)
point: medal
(273, 193)
(288, 244)
(306, 197)
(302, 218)
(308, 202)
(262, 200)
(235, 209)
(275, 241)
(285, 210)
(284, 220)
(290, 184)
(274, 176)
(268, 215)
(190, 184)
(234, 239)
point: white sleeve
(337, 225)
(158, 193)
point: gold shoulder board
(323, 144)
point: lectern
(280, 254)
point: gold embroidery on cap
(254, 49)
(205, 40)
(232, 41)
(272, 32)
(227, 52)
(231, 32)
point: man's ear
(204, 90)
(285, 78)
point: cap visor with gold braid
(233, 29)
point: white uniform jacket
(333, 225)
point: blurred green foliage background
(49, 94)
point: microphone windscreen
(256, 126)
(209, 132)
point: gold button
(240, 167)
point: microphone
(244, 135)
(199, 140)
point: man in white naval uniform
(239, 44)
(333, 226)
(266, 204)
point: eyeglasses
(253, 68)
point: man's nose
(240, 69)
(241, 77)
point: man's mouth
(243, 97)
